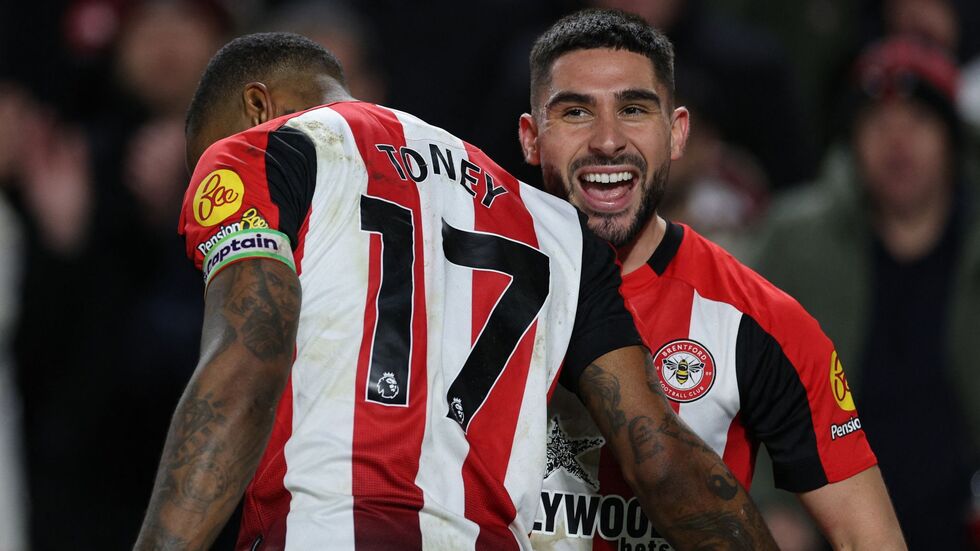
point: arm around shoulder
(683, 486)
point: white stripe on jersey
(332, 317)
(715, 325)
(447, 288)
(551, 219)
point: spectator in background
(949, 24)
(13, 505)
(44, 175)
(162, 49)
(338, 28)
(885, 252)
(111, 312)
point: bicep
(855, 513)
(251, 316)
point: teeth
(606, 178)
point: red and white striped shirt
(441, 298)
(741, 362)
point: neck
(909, 234)
(335, 95)
(331, 90)
(634, 254)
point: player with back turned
(386, 313)
(741, 362)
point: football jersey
(741, 363)
(441, 300)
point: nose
(607, 137)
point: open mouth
(606, 189)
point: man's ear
(528, 132)
(257, 103)
(680, 125)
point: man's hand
(224, 419)
(684, 487)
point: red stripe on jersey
(666, 328)
(266, 498)
(300, 247)
(740, 453)
(387, 440)
(611, 482)
(491, 432)
(554, 384)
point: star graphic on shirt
(563, 454)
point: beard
(610, 226)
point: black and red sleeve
(795, 400)
(602, 322)
(248, 197)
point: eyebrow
(633, 94)
(569, 97)
(638, 94)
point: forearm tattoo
(735, 523)
(653, 378)
(214, 445)
(671, 427)
(722, 483)
(603, 390)
(163, 540)
(717, 530)
(643, 439)
(726, 518)
(195, 421)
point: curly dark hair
(596, 28)
(256, 57)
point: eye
(634, 110)
(575, 113)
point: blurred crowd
(834, 147)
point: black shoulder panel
(290, 166)
(776, 410)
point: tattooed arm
(683, 486)
(224, 419)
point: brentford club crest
(686, 369)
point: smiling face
(903, 153)
(604, 133)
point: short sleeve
(602, 322)
(248, 198)
(796, 401)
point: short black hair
(599, 28)
(256, 57)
